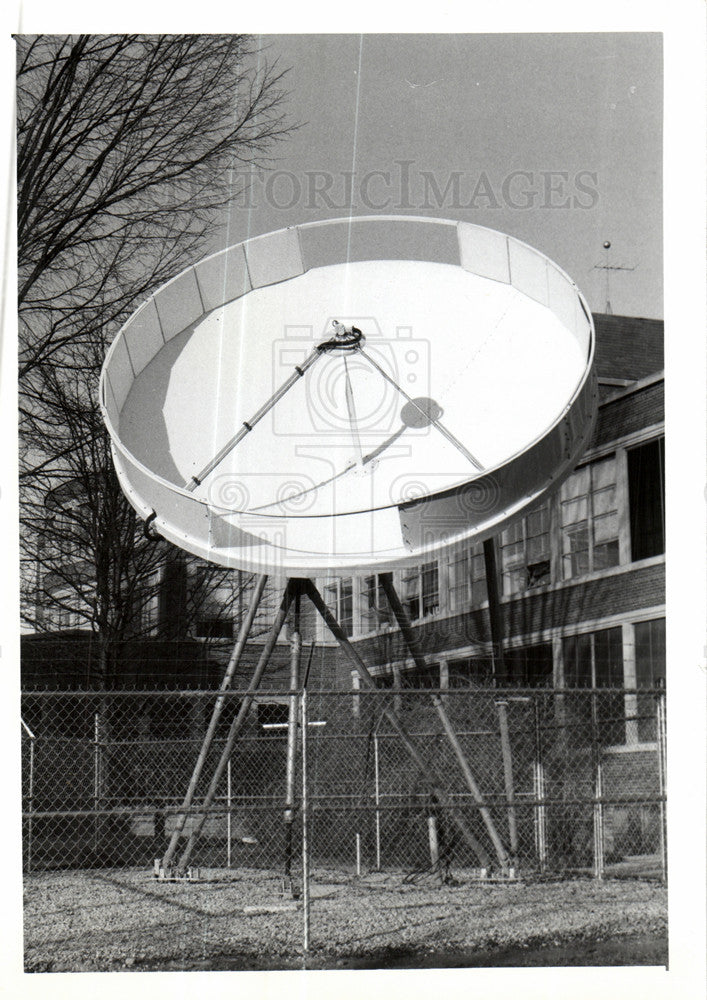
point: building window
(525, 552)
(650, 672)
(528, 666)
(595, 660)
(467, 578)
(472, 671)
(421, 590)
(646, 498)
(375, 611)
(213, 627)
(589, 517)
(338, 597)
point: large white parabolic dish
(470, 395)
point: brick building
(582, 577)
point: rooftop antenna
(608, 268)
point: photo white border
(683, 27)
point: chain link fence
(404, 785)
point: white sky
(553, 138)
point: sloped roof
(628, 347)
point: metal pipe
(598, 824)
(401, 617)
(661, 740)
(502, 708)
(358, 855)
(96, 779)
(233, 662)
(305, 828)
(426, 771)
(248, 425)
(295, 648)
(598, 808)
(228, 814)
(377, 799)
(30, 804)
(434, 841)
(239, 720)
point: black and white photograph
(344, 628)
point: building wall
(553, 590)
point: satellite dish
(350, 395)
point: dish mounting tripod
(295, 589)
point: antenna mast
(608, 268)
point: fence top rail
(499, 693)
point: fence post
(30, 793)
(376, 771)
(305, 828)
(96, 780)
(228, 813)
(539, 790)
(31, 805)
(598, 811)
(502, 709)
(661, 747)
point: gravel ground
(114, 920)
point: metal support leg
(243, 634)
(440, 795)
(502, 708)
(239, 720)
(405, 627)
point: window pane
(650, 652)
(577, 484)
(577, 656)
(603, 473)
(608, 658)
(577, 540)
(606, 555)
(606, 527)
(514, 581)
(538, 522)
(478, 568)
(537, 548)
(458, 571)
(430, 588)
(530, 666)
(473, 671)
(604, 501)
(650, 672)
(512, 555)
(574, 511)
(513, 533)
(646, 491)
(346, 606)
(538, 573)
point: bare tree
(129, 149)
(89, 563)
